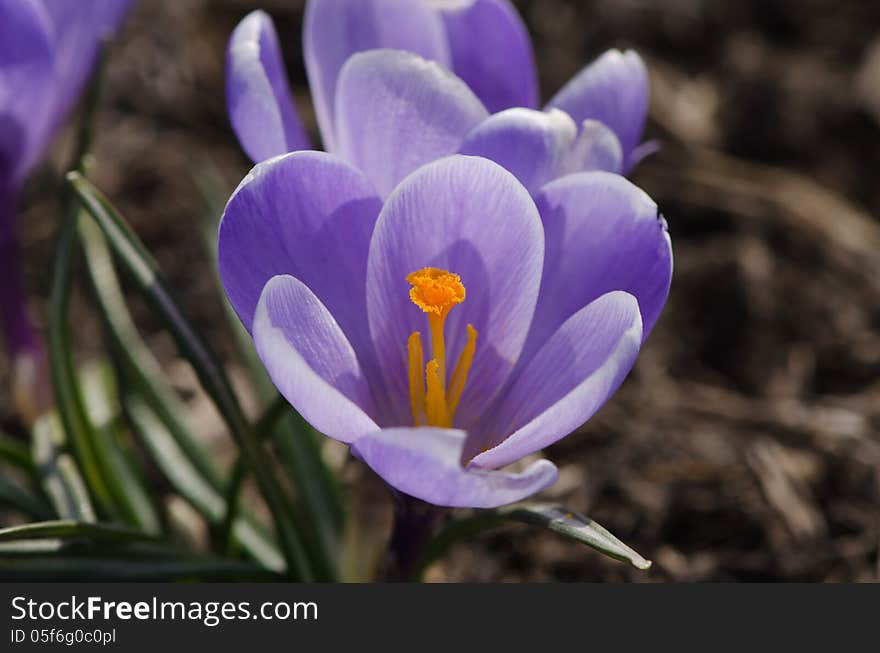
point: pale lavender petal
(396, 111)
(258, 96)
(596, 148)
(613, 90)
(336, 29)
(491, 51)
(79, 28)
(534, 145)
(26, 82)
(310, 360)
(602, 233)
(426, 463)
(469, 216)
(567, 381)
(643, 151)
(309, 215)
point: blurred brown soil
(745, 444)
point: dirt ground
(745, 444)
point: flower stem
(414, 525)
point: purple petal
(26, 78)
(79, 28)
(309, 215)
(534, 145)
(567, 381)
(258, 96)
(491, 51)
(336, 29)
(310, 360)
(602, 233)
(396, 111)
(613, 90)
(597, 148)
(426, 463)
(469, 216)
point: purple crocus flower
(454, 328)
(47, 48)
(355, 53)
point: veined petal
(396, 111)
(310, 360)
(596, 148)
(258, 96)
(535, 146)
(26, 78)
(491, 51)
(79, 28)
(309, 215)
(613, 90)
(426, 463)
(566, 382)
(334, 30)
(602, 233)
(469, 216)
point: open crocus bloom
(594, 122)
(47, 48)
(452, 329)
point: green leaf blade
(576, 527)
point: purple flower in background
(453, 328)
(47, 49)
(367, 61)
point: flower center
(433, 402)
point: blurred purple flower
(531, 310)
(47, 49)
(594, 122)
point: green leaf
(58, 472)
(145, 273)
(14, 496)
(66, 560)
(109, 477)
(299, 451)
(576, 527)
(552, 517)
(194, 488)
(104, 412)
(16, 453)
(56, 567)
(141, 366)
(68, 397)
(64, 529)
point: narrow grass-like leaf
(13, 495)
(67, 529)
(578, 528)
(553, 517)
(78, 434)
(68, 398)
(141, 366)
(145, 273)
(59, 560)
(299, 452)
(58, 472)
(15, 453)
(104, 412)
(187, 481)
